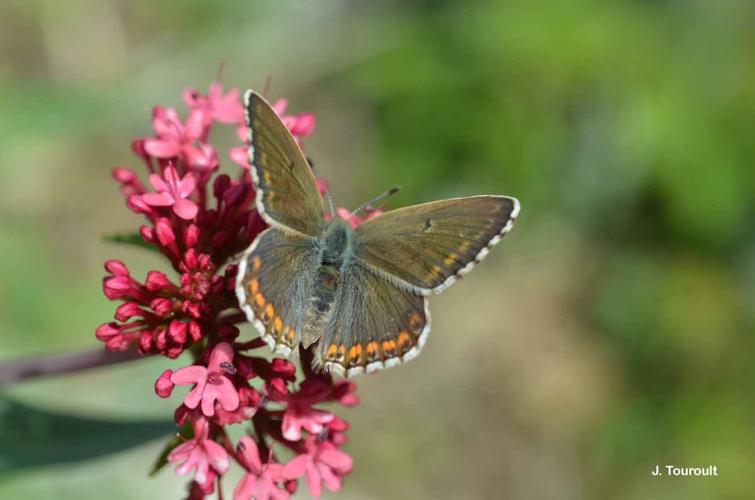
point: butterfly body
(359, 296)
(334, 249)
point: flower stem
(44, 366)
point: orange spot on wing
(290, 335)
(355, 354)
(450, 259)
(331, 352)
(278, 325)
(269, 312)
(416, 322)
(341, 352)
(436, 272)
(404, 339)
(372, 351)
(259, 300)
(389, 348)
(256, 263)
(254, 286)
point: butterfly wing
(426, 247)
(287, 194)
(274, 283)
(374, 324)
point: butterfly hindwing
(426, 247)
(374, 324)
(273, 286)
(287, 194)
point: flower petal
(240, 156)
(208, 400)
(195, 124)
(314, 481)
(331, 480)
(193, 374)
(297, 467)
(217, 456)
(157, 182)
(303, 125)
(157, 199)
(336, 459)
(181, 452)
(291, 426)
(250, 453)
(280, 106)
(186, 209)
(227, 394)
(187, 185)
(161, 148)
(223, 353)
(245, 488)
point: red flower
(260, 481)
(200, 223)
(211, 383)
(323, 463)
(173, 192)
(200, 455)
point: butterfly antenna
(331, 206)
(376, 199)
(219, 75)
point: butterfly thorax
(336, 242)
(335, 246)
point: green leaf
(134, 239)
(30, 437)
(186, 432)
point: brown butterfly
(360, 294)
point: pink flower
(300, 125)
(216, 106)
(323, 463)
(184, 141)
(173, 192)
(260, 480)
(210, 383)
(201, 455)
(299, 413)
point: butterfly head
(336, 241)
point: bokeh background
(611, 331)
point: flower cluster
(199, 218)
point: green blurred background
(611, 331)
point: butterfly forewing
(374, 324)
(287, 194)
(426, 247)
(274, 284)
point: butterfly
(359, 295)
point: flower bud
(163, 385)
(165, 234)
(116, 267)
(127, 310)
(157, 282)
